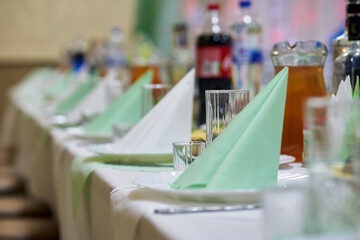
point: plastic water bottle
(247, 54)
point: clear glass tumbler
(333, 130)
(333, 206)
(184, 153)
(221, 107)
(283, 212)
(151, 94)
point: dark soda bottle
(213, 58)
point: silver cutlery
(199, 209)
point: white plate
(108, 150)
(160, 183)
(285, 159)
(78, 132)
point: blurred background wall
(37, 29)
(33, 32)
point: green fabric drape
(156, 18)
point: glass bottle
(117, 76)
(344, 42)
(247, 49)
(305, 61)
(181, 57)
(144, 57)
(115, 57)
(77, 51)
(213, 57)
(347, 65)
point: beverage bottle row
(346, 52)
(228, 59)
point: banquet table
(119, 209)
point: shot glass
(221, 107)
(184, 153)
(151, 94)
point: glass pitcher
(305, 60)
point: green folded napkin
(83, 167)
(126, 109)
(61, 84)
(70, 103)
(356, 93)
(246, 154)
(351, 133)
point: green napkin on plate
(68, 104)
(126, 109)
(246, 154)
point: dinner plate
(79, 133)
(108, 150)
(160, 184)
(285, 159)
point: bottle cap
(213, 6)
(244, 3)
(353, 8)
(181, 26)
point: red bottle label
(213, 62)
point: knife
(199, 209)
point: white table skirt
(119, 209)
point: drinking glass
(305, 60)
(114, 88)
(333, 205)
(184, 153)
(332, 130)
(221, 107)
(151, 94)
(283, 212)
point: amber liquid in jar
(138, 70)
(303, 82)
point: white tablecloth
(119, 208)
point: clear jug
(305, 60)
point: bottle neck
(352, 20)
(215, 21)
(180, 40)
(245, 11)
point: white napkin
(95, 102)
(337, 120)
(169, 121)
(344, 92)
